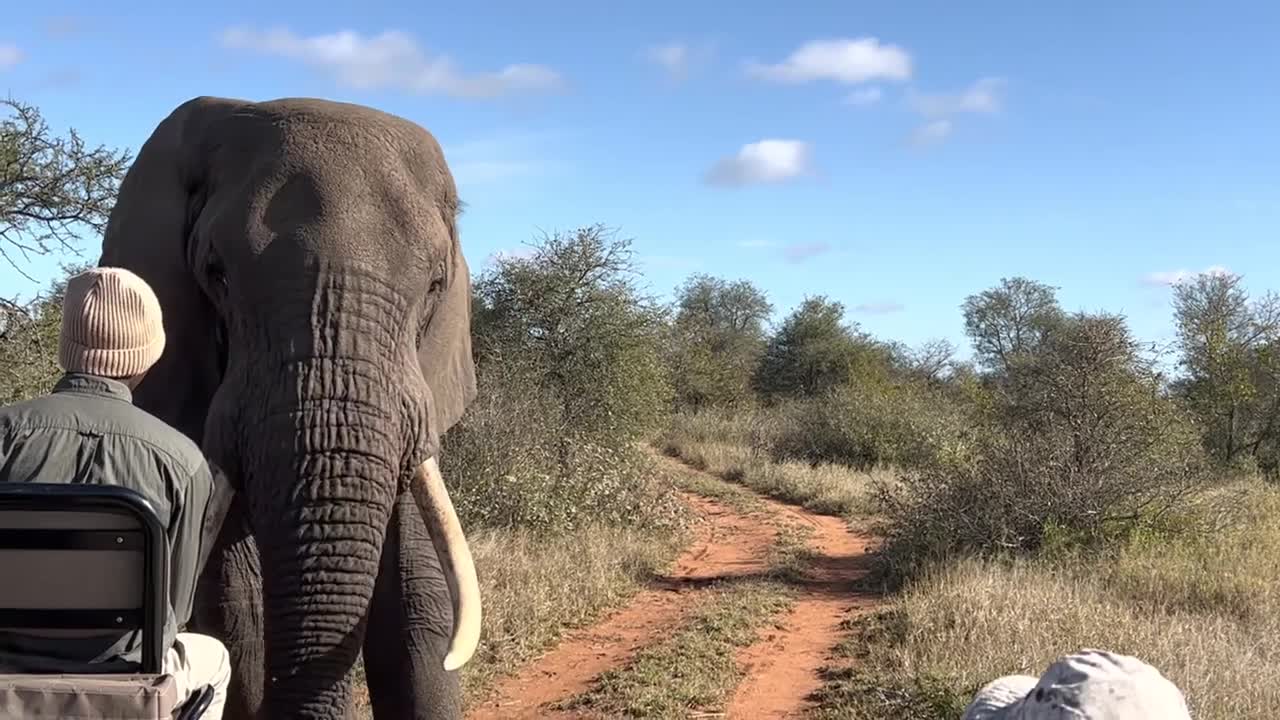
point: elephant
(316, 303)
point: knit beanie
(111, 324)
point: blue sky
(894, 156)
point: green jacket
(88, 431)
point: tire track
(781, 669)
(727, 544)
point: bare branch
(51, 188)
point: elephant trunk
(323, 475)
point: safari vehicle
(83, 559)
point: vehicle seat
(79, 560)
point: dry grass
(1207, 613)
(536, 588)
(1205, 610)
(825, 488)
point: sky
(896, 157)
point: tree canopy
(814, 351)
(1009, 321)
(50, 186)
(571, 315)
(716, 340)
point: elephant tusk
(459, 569)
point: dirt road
(781, 668)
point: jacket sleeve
(185, 542)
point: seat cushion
(88, 697)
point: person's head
(111, 325)
(1087, 685)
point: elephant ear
(148, 232)
(445, 351)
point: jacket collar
(85, 384)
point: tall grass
(825, 488)
(1201, 605)
(1206, 612)
(536, 588)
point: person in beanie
(1087, 685)
(87, 430)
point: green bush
(1081, 448)
(505, 465)
(864, 425)
(29, 342)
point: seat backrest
(82, 560)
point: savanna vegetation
(1067, 486)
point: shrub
(505, 462)
(29, 341)
(864, 425)
(1082, 448)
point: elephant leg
(410, 621)
(228, 606)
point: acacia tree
(571, 319)
(50, 187)
(716, 340)
(814, 351)
(1229, 354)
(1008, 322)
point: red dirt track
(781, 668)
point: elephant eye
(216, 274)
(436, 286)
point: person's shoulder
(38, 411)
(20, 408)
(165, 438)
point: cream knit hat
(111, 324)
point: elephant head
(317, 306)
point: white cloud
(766, 161)
(983, 96)
(879, 308)
(673, 57)
(10, 55)
(391, 59)
(799, 252)
(848, 61)
(1170, 278)
(678, 58)
(931, 132)
(864, 96)
(496, 158)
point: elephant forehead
(333, 203)
(346, 151)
